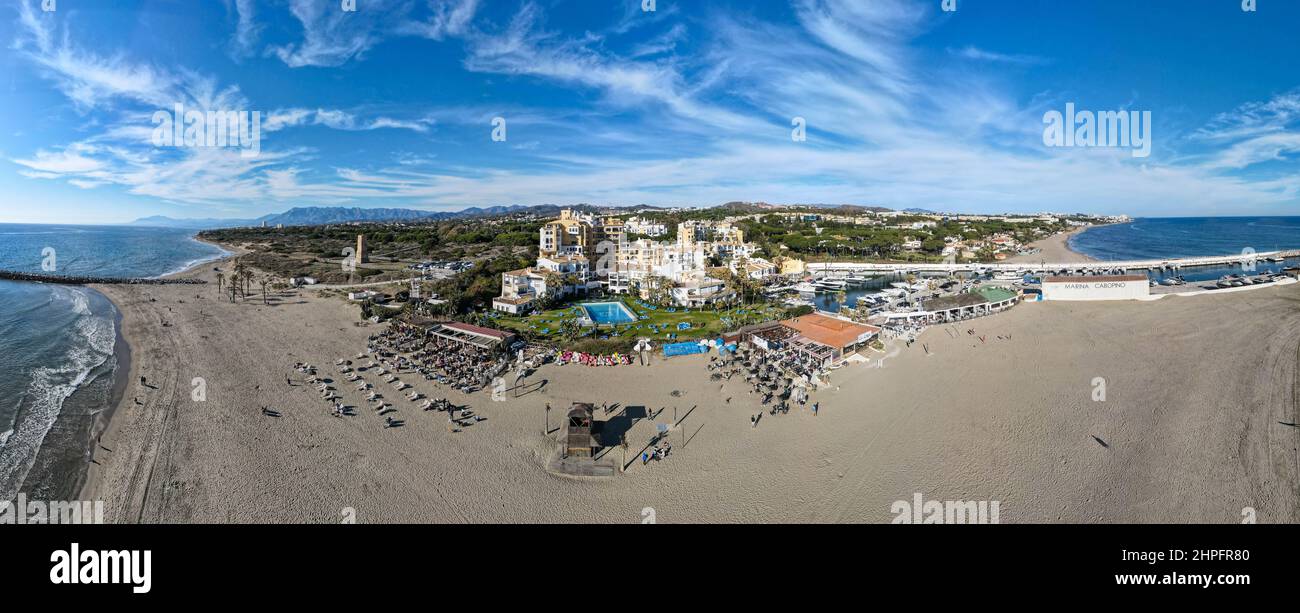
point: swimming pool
(608, 313)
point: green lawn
(658, 325)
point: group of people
(659, 449)
(781, 378)
(461, 366)
(591, 359)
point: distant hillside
(318, 215)
(160, 221)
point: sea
(63, 358)
(1149, 238)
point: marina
(1076, 267)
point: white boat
(873, 298)
(832, 284)
(805, 288)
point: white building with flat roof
(1112, 287)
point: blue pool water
(608, 313)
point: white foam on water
(221, 253)
(50, 386)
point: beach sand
(1054, 249)
(1198, 390)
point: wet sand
(1193, 427)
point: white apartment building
(647, 227)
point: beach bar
(984, 301)
(477, 336)
(828, 339)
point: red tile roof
(829, 330)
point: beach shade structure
(577, 434)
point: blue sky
(392, 105)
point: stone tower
(362, 255)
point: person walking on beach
(816, 405)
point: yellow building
(568, 235)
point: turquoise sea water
(59, 342)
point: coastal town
(564, 349)
(434, 266)
(602, 372)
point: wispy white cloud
(971, 52)
(448, 18)
(339, 120)
(1253, 133)
(663, 43)
(247, 28)
(332, 36)
(659, 125)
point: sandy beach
(1055, 248)
(1199, 392)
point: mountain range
(317, 215)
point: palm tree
(221, 277)
(237, 273)
(263, 281)
(554, 285)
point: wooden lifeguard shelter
(577, 434)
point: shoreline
(69, 457)
(1056, 248)
(104, 419)
(108, 434)
(58, 467)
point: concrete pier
(1047, 267)
(8, 275)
